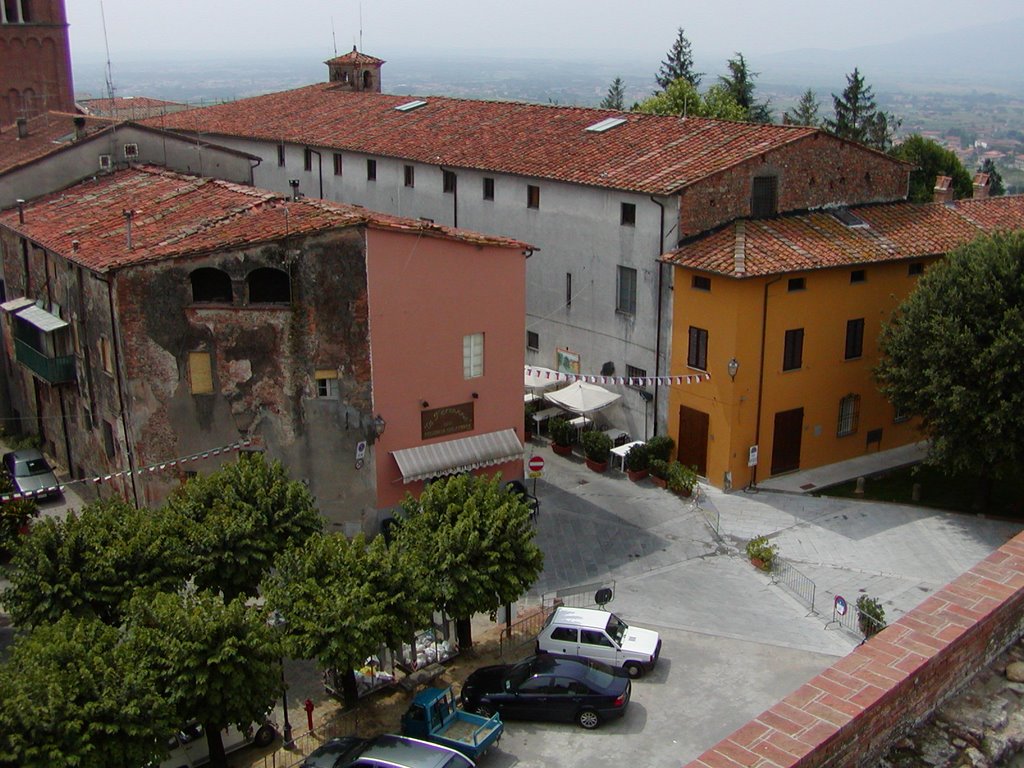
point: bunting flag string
(546, 374)
(160, 467)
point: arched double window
(269, 286)
(210, 286)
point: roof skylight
(605, 125)
(850, 219)
(409, 106)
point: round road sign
(536, 464)
(840, 604)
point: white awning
(42, 319)
(15, 304)
(580, 397)
(536, 377)
(454, 456)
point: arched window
(269, 286)
(210, 286)
(367, 78)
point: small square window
(532, 196)
(632, 373)
(327, 384)
(448, 182)
(701, 283)
(307, 159)
(473, 355)
(764, 197)
(280, 155)
(488, 188)
(797, 284)
(371, 169)
(900, 415)
(628, 215)
(915, 268)
(625, 297)
(858, 276)
(533, 341)
(410, 176)
(793, 355)
(854, 338)
(697, 353)
(337, 164)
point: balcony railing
(55, 370)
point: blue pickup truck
(434, 716)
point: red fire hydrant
(309, 712)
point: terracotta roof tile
(46, 133)
(355, 57)
(177, 215)
(647, 153)
(818, 240)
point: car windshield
(458, 761)
(616, 628)
(517, 675)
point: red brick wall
(816, 171)
(850, 713)
(36, 72)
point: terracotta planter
(596, 466)
(637, 475)
(760, 564)
(659, 481)
(561, 450)
(685, 493)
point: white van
(602, 636)
(188, 747)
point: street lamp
(278, 621)
(733, 366)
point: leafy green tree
(681, 98)
(678, 63)
(243, 515)
(341, 600)
(805, 112)
(474, 540)
(14, 514)
(953, 354)
(739, 84)
(931, 160)
(215, 662)
(616, 95)
(858, 118)
(91, 563)
(995, 180)
(77, 692)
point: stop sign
(536, 464)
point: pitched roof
(819, 240)
(46, 132)
(354, 57)
(126, 102)
(646, 153)
(178, 215)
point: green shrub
(638, 458)
(759, 548)
(681, 479)
(870, 615)
(659, 468)
(597, 446)
(561, 431)
(661, 447)
(13, 514)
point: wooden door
(789, 427)
(692, 443)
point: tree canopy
(243, 515)
(739, 84)
(475, 542)
(682, 98)
(616, 95)
(953, 354)
(805, 112)
(995, 179)
(931, 160)
(77, 692)
(858, 118)
(678, 63)
(91, 563)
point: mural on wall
(567, 361)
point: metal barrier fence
(523, 629)
(533, 618)
(793, 581)
(582, 596)
(342, 724)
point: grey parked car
(31, 472)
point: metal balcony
(55, 370)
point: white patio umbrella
(580, 397)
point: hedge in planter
(870, 616)
(563, 435)
(681, 479)
(597, 447)
(659, 472)
(661, 447)
(638, 461)
(761, 552)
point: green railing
(55, 370)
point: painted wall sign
(450, 420)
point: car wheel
(264, 736)
(483, 710)
(587, 718)
(633, 669)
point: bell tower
(36, 73)
(355, 71)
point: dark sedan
(31, 473)
(549, 687)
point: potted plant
(761, 552)
(638, 462)
(681, 479)
(597, 447)
(659, 472)
(870, 616)
(563, 435)
(661, 447)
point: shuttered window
(473, 355)
(200, 373)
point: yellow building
(785, 315)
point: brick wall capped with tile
(850, 713)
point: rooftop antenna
(334, 39)
(106, 44)
(360, 26)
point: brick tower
(35, 74)
(355, 70)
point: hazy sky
(644, 27)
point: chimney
(943, 192)
(79, 127)
(22, 124)
(982, 186)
